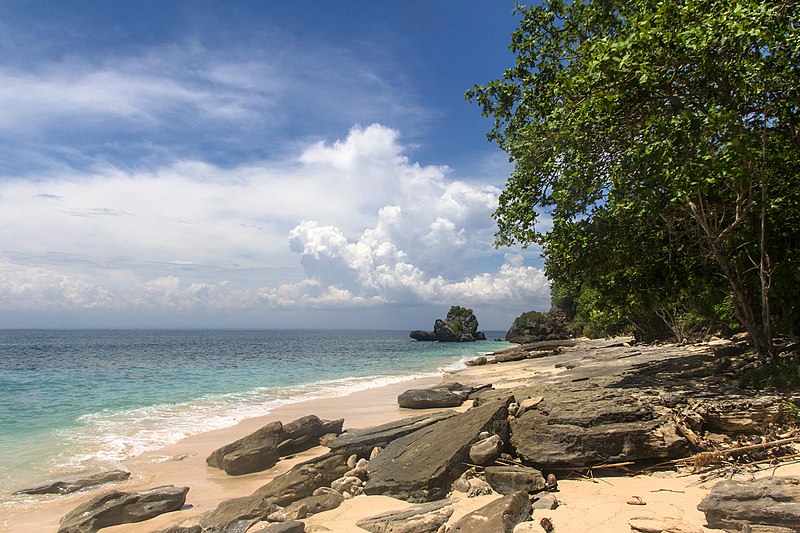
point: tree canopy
(656, 150)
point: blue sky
(252, 164)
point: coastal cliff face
(460, 325)
(534, 326)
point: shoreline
(589, 501)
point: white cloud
(349, 224)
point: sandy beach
(588, 502)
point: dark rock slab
(305, 432)
(252, 453)
(422, 518)
(499, 516)
(73, 485)
(420, 335)
(182, 529)
(362, 441)
(431, 398)
(237, 515)
(423, 465)
(510, 479)
(767, 504)
(114, 508)
(290, 526)
(588, 426)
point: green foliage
(457, 310)
(533, 317)
(782, 373)
(663, 139)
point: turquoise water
(78, 400)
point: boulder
(546, 502)
(423, 465)
(484, 451)
(363, 441)
(740, 414)
(252, 453)
(767, 504)
(589, 426)
(115, 507)
(73, 485)
(261, 449)
(499, 516)
(510, 479)
(423, 518)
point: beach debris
(765, 504)
(484, 451)
(636, 500)
(421, 517)
(510, 479)
(74, 485)
(500, 516)
(358, 470)
(547, 525)
(116, 507)
(423, 465)
(261, 449)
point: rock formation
(460, 325)
(534, 326)
(73, 485)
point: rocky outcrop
(534, 326)
(262, 449)
(499, 516)
(460, 325)
(423, 465)
(114, 508)
(74, 485)
(584, 426)
(770, 504)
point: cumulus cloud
(347, 224)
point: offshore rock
(115, 507)
(73, 485)
(499, 516)
(770, 504)
(460, 325)
(423, 465)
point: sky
(253, 164)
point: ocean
(84, 400)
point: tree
(667, 128)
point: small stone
(346, 484)
(351, 461)
(461, 485)
(374, 453)
(545, 501)
(484, 451)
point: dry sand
(587, 504)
